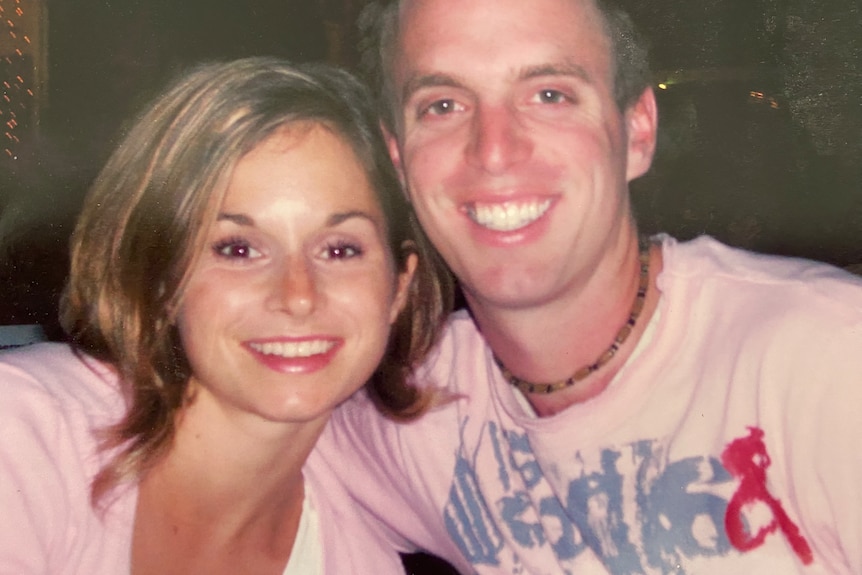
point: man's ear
(402, 289)
(641, 127)
(394, 152)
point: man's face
(514, 153)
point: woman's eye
(341, 251)
(550, 96)
(236, 249)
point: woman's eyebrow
(332, 221)
(340, 217)
(238, 219)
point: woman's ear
(403, 281)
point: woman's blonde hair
(147, 214)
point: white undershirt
(306, 558)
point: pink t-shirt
(729, 443)
(50, 403)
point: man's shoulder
(452, 367)
(708, 261)
(460, 345)
(769, 302)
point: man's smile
(509, 215)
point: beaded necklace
(622, 335)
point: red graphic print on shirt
(746, 459)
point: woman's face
(288, 310)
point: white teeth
(293, 349)
(508, 216)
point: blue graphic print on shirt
(673, 512)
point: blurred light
(662, 86)
(18, 78)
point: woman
(235, 273)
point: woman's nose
(295, 288)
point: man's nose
(294, 288)
(498, 140)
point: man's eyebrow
(559, 69)
(418, 81)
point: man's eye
(440, 108)
(549, 96)
(341, 251)
(236, 249)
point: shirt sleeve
(39, 469)
(822, 442)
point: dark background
(760, 122)
(105, 60)
(761, 125)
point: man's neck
(550, 343)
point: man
(613, 408)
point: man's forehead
(403, 7)
(437, 39)
(583, 14)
